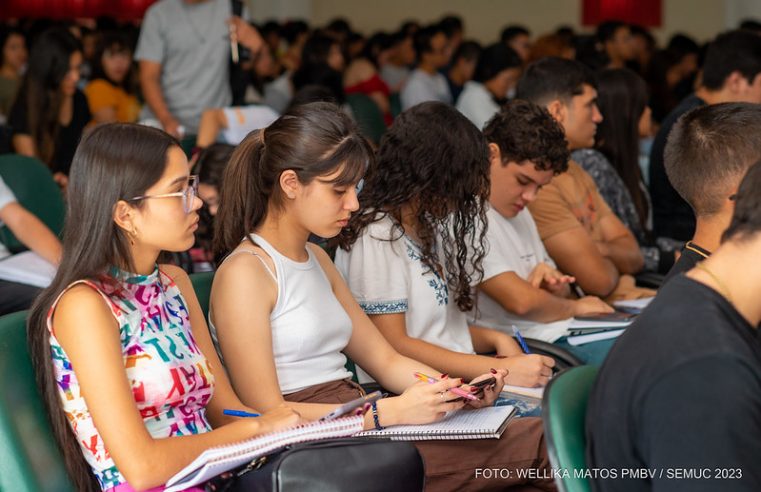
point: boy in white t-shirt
(521, 285)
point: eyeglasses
(188, 194)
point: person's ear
(124, 216)
(557, 109)
(289, 183)
(735, 82)
(495, 155)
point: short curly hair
(525, 131)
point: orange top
(103, 94)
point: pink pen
(456, 391)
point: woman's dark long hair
(112, 41)
(622, 98)
(314, 139)
(435, 160)
(314, 68)
(40, 89)
(113, 162)
(210, 169)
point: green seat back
(187, 143)
(34, 187)
(202, 285)
(564, 409)
(368, 116)
(29, 457)
(395, 103)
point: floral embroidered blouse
(386, 275)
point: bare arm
(486, 340)
(212, 121)
(526, 301)
(523, 370)
(24, 144)
(619, 245)
(576, 253)
(104, 115)
(32, 232)
(150, 83)
(98, 361)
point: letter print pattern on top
(171, 379)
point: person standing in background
(184, 55)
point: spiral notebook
(483, 423)
(220, 459)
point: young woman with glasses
(123, 357)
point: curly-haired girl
(413, 252)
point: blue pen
(521, 341)
(240, 413)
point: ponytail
(245, 195)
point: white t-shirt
(514, 246)
(422, 86)
(476, 103)
(6, 197)
(395, 76)
(242, 120)
(279, 92)
(387, 277)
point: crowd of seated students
(509, 191)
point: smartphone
(484, 383)
(354, 407)
(480, 385)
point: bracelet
(376, 420)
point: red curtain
(646, 13)
(71, 9)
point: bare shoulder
(81, 305)
(177, 274)
(319, 253)
(247, 263)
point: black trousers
(16, 297)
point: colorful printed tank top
(171, 379)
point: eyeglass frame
(187, 195)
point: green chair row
(31, 461)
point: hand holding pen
(457, 391)
(280, 417)
(244, 33)
(421, 403)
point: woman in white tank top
(283, 316)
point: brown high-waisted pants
(451, 465)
